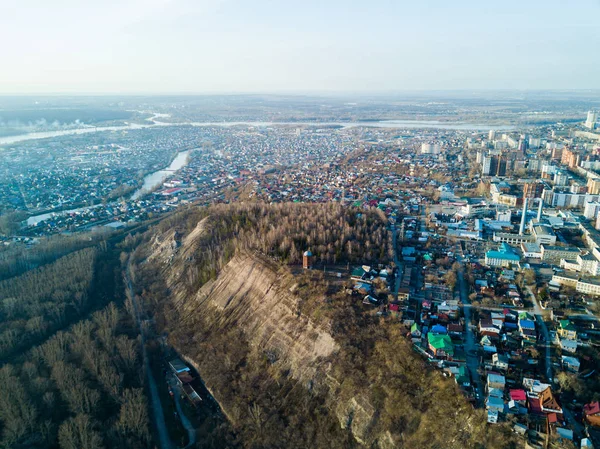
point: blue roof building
(505, 256)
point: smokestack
(523, 217)
(540, 206)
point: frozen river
(154, 180)
(151, 182)
(400, 124)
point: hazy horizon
(305, 93)
(169, 47)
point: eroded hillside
(293, 359)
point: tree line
(18, 258)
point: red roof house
(592, 413)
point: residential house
(449, 308)
(518, 396)
(462, 376)
(586, 443)
(591, 413)
(545, 402)
(495, 381)
(498, 319)
(570, 363)
(533, 386)
(440, 345)
(567, 330)
(496, 392)
(495, 404)
(527, 329)
(403, 294)
(488, 344)
(455, 329)
(500, 361)
(439, 329)
(568, 345)
(486, 327)
(415, 331)
(565, 434)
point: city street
(470, 347)
(539, 317)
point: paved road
(539, 318)
(397, 262)
(191, 431)
(157, 411)
(472, 359)
(488, 308)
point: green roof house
(567, 330)
(462, 377)
(415, 330)
(440, 345)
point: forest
(16, 259)
(80, 389)
(41, 301)
(282, 232)
(70, 375)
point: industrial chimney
(540, 206)
(523, 217)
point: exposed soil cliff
(249, 294)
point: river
(151, 182)
(400, 124)
(8, 140)
(35, 219)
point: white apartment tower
(591, 120)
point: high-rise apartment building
(593, 186)
(533, 190)
(590, 122)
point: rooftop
(504, 252)
(440, 341)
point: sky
(287, 46)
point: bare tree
(79, 433)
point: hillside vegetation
(281, 232)
(294, 360)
